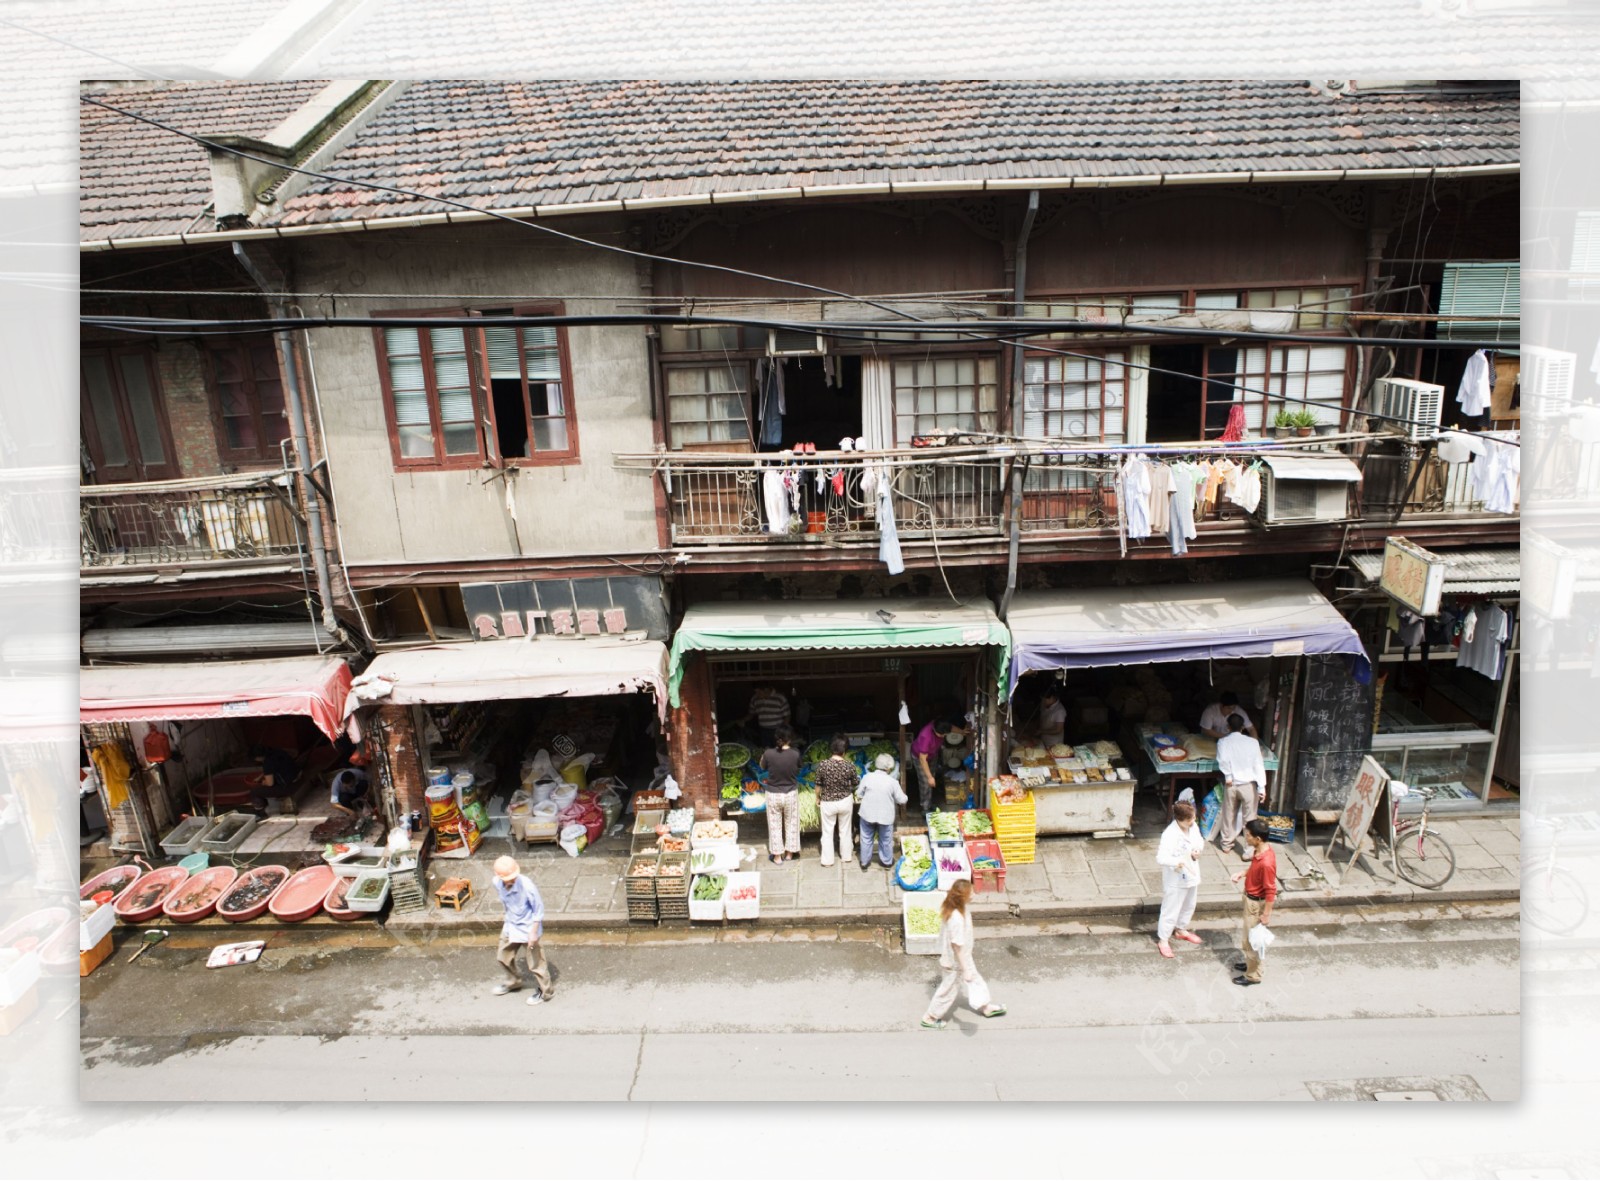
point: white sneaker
(503, 989)
(536, 999)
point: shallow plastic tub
(116, 879)
(144, 899)
(198, 896)
(235, 912)
(301, 896)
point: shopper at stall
(1179, 858)
(927, 747)
(878, 793)
(1260, 890)
(1052, 719)
(781, 762)
(837, 779)
(769, 709)
(521, 931)
(278, 777)
(1214, 719)
(348, 790)
(955, 959)
(1244, 783)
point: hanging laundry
(1181, 529)
(1234, 431)
(1485, 653)
(830, 371)
(1476, 391)
(775, 496)
(1411, 629)
(769, 381)
(1133, 494)
(1246, 489)
(1160, 497)
(888, 536)
(1496, 474)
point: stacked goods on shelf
(988, 866)
(640, 887)
(672, 886)
(1016, 825)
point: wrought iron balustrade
(177, 522)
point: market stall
(1137, 665)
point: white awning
(1313, 467)
(502, 670)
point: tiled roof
(515, 144)
(137, 181)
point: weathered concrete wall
(428, 516)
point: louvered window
(1492, 290)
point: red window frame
(264, 451)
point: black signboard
(566, 607)
(1335, 733)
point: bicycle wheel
(1424, 858)
(1555, 902)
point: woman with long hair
(955, 958)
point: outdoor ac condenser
(1301, 502)
(1410, 407)
(791, 342)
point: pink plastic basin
(197, 897)
(229, 789)
(335, 904)
(116, 879)
(46, 929)
(145, 898)
(230, 909)
(301, 896)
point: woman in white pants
(1179, 858)
(955, 958)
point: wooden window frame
(569, 410)
(264, 453)
(1002, 388)
(677, 363)
(91, 436)
(1105, 364)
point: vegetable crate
(743, 897)
(987, 879)
(926, 940)
(641, 881)
(643, 910)
(944, 828)
(952, 863)
(1280, 828)
(1016, 828)
(707, 910)
(977, 824)
(672, 886)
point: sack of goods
(574, 839)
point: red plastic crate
(961, 819)
(992, 880)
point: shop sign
(1412, 576)
(566, 607)
(1368, 796)
(1549, 576)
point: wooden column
(692, 743)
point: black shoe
(1245, 981)
(1239, 968)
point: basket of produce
(1280, 828)
(672, 875)
(706, 898)
(680, 821)
(988, 866)
(732, 783)
(641, 876)
(944, 828)
(920, 915)
(742, 899)
(1005, 789)
(915, 870)
(713, 832)
(643, 910)
(976, 824)
(952, 864)
(733, 755)
(668, 843)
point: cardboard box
(89, 960)
(12, 1016)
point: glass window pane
(416, 442)
(461, 439)
(231, 398)
(449, 358)
(544, 363)
(501, 345)
(142, 407)
(1216, 299)
(550, 434)
(241, 433)
(455, 406)
(411, 408)
(685, 381)
(103, 406)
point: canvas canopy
(311, 685)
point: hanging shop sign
(1412, 576)
(1549, 576)
(566, 607)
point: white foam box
(926, 899)
(706, 911)
(948, 878)
(749, 908)
(96, 927)
(19, 971)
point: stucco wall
(430, 516)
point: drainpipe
(1019, 287)
(266, 275)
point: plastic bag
(520, 803)
(576, 772)
(574, 839)
(540, 767)
(978, 993)
(1261, 938)
(927, 881)
(1210, 811)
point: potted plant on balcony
(1300, 422)
(1283, 423)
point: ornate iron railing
(177, 522)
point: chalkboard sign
(1335, 734)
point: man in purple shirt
(925, 747)
(523, 926)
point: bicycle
(1417, 853)
(1553, 899)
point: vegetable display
(976, 824)
(730, 791)
(732, 755)
(743, 894)
(922, 920)
(709, 887)
(818, 750)
(942, 826)
(732, 777)
(879, 748)
(917, 858)
(950, 864)
(701, 861)
(810, 811)
(983, 861)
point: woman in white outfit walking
(1178, 855)
(955, 957)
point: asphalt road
(1351, 1006)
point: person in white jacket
(1178, 855)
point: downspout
(1018, 467)
(258, 269)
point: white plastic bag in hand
(978, 993)
(1261, 938)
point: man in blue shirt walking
(523, 926)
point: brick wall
(404, 757)
(692, 746)
(182, 372)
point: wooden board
(1335, 733)
(1366, 801)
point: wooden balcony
(248, 518)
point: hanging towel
(776, 500)
(1160, 497)
(1234, 432)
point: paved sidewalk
(1073, 877)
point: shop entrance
(822, 396)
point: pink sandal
(1164, 949)
(1188, 936)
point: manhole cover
(1407, 1096)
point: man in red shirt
(1260, 889)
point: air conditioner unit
(1547, 379)
(1306, 489)
(791, 342)
(1410, 408)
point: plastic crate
(643, 910)
(643, 886)
(707, 910)
(185, 839)
(1280, 828)
(746, 908)
(230, 831)
(920, 944)
(949, 877)
(647, 822)
(961, 819)
(669, 885)
(368, 905)
(944, 840)
(987, 880)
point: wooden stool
(453, 893)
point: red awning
(315, 686)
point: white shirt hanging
(1475, 392)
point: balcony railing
(1422, 485)
(180, 522)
